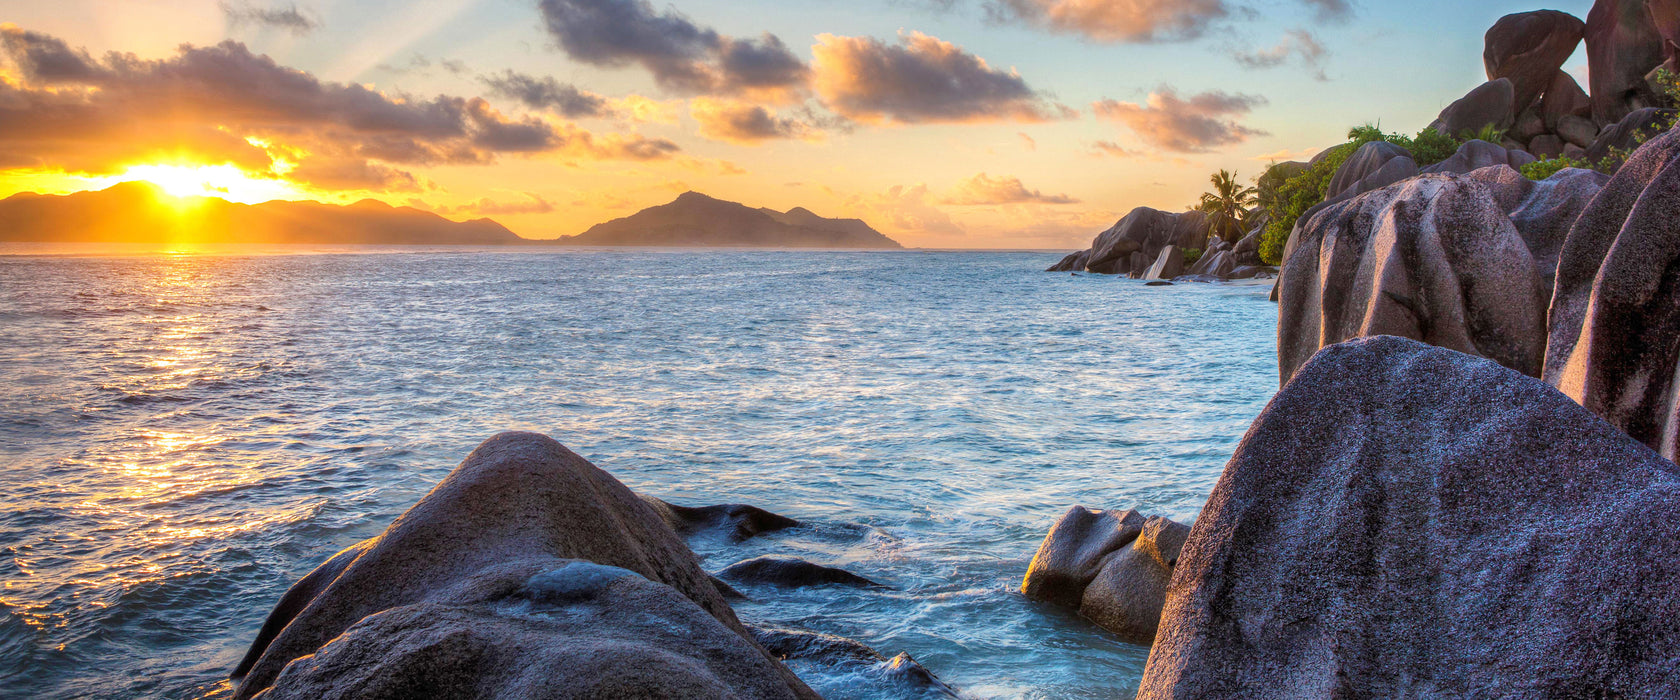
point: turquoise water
(186, 435)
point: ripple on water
(185, 436)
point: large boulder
(1615, 320)
(1373, 166)
(736, 521)
(1622, 46)
(1491, 103)
(1247, 250)
(1216, 266)
(1168, 264)
(1665, 18)
(527, 572)
(1074, 262)
(1476, 154)
(1529, 48)
(1626, 135)
(1564, 97)
(1145, 231)
(1111, 566)
(1407, 521)
(1434, 258)
(1543, 211)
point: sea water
(183, 436)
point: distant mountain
(133, 212)
(694, 219)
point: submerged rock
(1111, 566)
(740, 522)
(901, 671)
(793, 573)
(1433, 259)
(527, 572)
(1408, 521)
(1615, 321)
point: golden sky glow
(941, 128)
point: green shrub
(1542, 169)
(1191, 255)
(1297, 194)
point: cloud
(1132, 21)
(984, 189)
(418, 63)
(921, 80)
(547, 93)
(905, 209)
(531, 204)
(682, 56)
(745, 123)
(288, 18)
(1031, 144)
(1110, 148)
(217, 103)
(1286, 155)
(1198, 124)
(1331, 10)
(1299, 43)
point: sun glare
(225, 181)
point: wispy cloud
(1197, 124)
(290, 18)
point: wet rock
(1529, 48)
(740, 522)
(1433, 259)
(1564, 97)
(1168, 264)
(789, 572)
(1145, 231)
(1622, 46)
(1407, 521)
(1074, 262)
(1492, 103)
(1626, 134)
(1373, 166)
(1111, 566)
(906, 671)
(901, 671)
(1615, 321)
(458, 597)
(1476, 154)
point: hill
(694, 219)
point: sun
(224, 181)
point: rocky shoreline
(1465, 487)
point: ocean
(185, 435)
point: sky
(1021, 124)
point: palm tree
(1227, 206)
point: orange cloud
(745, 123)
(1197, 124)
(984, 189)
(1120, 20)
(921, 80)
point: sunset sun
(224, 181)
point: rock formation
(1622, 47)
(1168, 264)
(789, 572)
(1408, 521)
(1615, 318)
(1433, 258)
(1491, 103)
(1111, 566)
(1373, 166)
(1144, 232)
(739, 522)
(1626, 134)
(1476, 154)
(1529, 48)
(524, 545)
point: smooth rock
(1111, 566)
(454, 598)
(901, 672)
(1145, 231)
(1374, 165)
(1168, 264)
(1529, 125)
(1615, 319)
(1577, 130)
(1626, 134)
(1529, 48)
(1410, 522)
(1544, 211)
(1665, 18)
(1433, 259)
(1074, 262)
(1546, 146)
(1492, 103)
(1564, 97)
(1476, 154)
(1247, 250)
(739, 522)
(789, 572)
(1139, 265)
(1622, 46)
